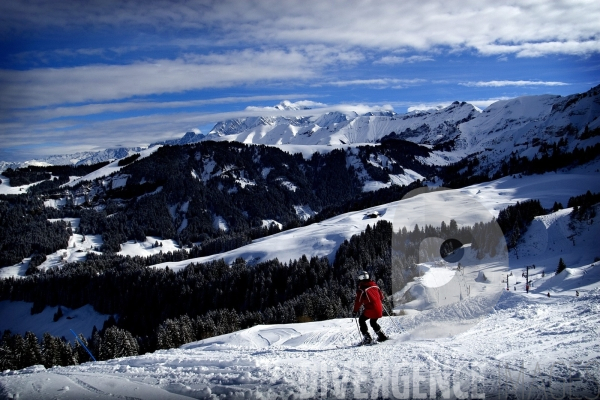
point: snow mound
(482, 278)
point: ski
(374, 342)
(359, 344)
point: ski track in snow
(528, 343)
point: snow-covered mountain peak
(523, 107)
(334, 117)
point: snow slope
(146, 248)
(5, 187)
(77, 249)
(111, 168)
(82, 158)
(530, 346)
(17, 317)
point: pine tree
(18, 346)
(95, 343)
(50, 351)
(33, 350)
(66, 354)
(58, 314)
(7, 358)
(117, 343)
(561, 266)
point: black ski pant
(362, 321)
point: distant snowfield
(5, 187)
(17, 317)
(147, 248)
(323, 239)
(78, 248)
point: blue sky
(79, 76)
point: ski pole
(81, 343)
(398, 328)
(358, 327)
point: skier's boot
(367, 339)
(381, 337)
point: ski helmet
(363, 276)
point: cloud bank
(528, 28)
(512, 83)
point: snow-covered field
(148, 247)
(16, 317)
(78, 248)
(5, 187)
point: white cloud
(390, 60)
(289, 105)
(428, 106)
(512, 83)
(377, 82)
(48, 86)
(118, 107)
(570, 47)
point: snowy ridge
(108, 170)
(82, 158)
(188, 138)
(520, 124)
(337, 128)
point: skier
(369, 296)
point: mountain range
(460, 130)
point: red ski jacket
(370, 296)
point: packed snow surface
(530, 345)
